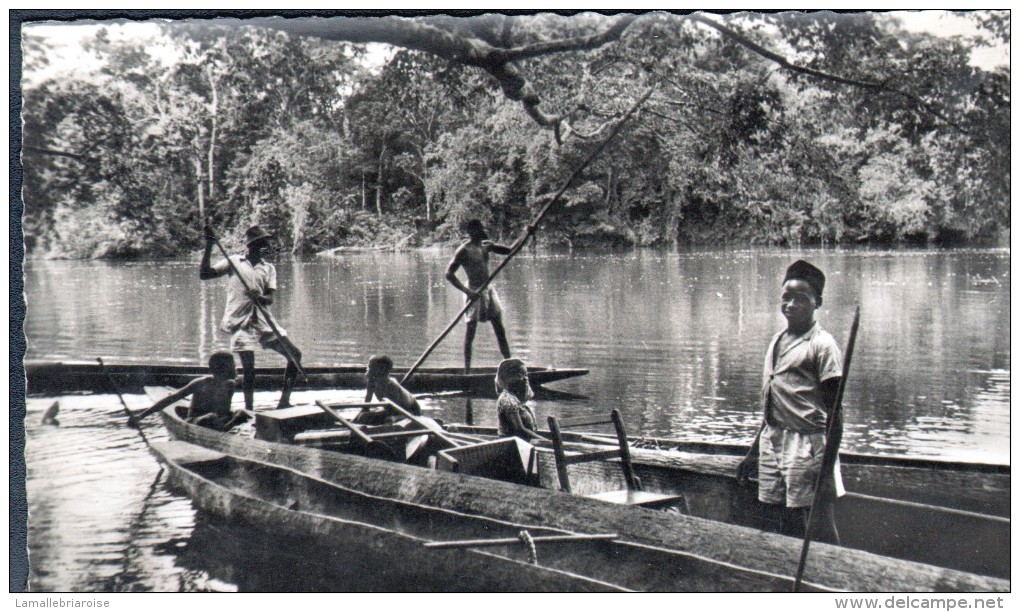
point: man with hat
(473, 256)
(803, 367)
(246, 316)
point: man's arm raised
(205, 269)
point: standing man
(242, 319)
(803, 367)
(473, 256)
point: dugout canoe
(979, 487)
(705, 555)
(310, 512)
(946, 513)
(61, 377)
(950, 514)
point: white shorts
(248, 339)
(788, 464)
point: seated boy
(210, 396)
(382, 386)
(516, 418)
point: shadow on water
(226, 556)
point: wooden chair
(633, 495)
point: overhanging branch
(785, 63)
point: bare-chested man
(473, 256)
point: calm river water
(675, 341)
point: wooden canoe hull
(937, 535)
(304, 510)
(900, 527)
(969, 486)
(60, 377)
(732, 558)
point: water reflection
(673, 340)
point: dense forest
(773, 129)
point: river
(674, 340)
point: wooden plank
(323, 435)
(626, 497)
(428, 424)
(593, 456)
(351, 426)
(584, 422)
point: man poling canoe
(482, 301)
(530, 228)
(246, 316)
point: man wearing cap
(473, 256)
(803, 366)
(247, 324)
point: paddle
(530, 229)
(425, 423)
(374, 446)
(833, 436)
(116, 389)
(265, 313)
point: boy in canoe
(803, 367)
(383, 386)
(247, 323)
(515, 416)
(473, 256)
(210, 396)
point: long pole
(116, 389)
(265, 313)
(523, 240)
(833, 436)
(572, 537)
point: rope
(525, 538)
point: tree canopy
(762, 128)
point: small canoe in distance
(48, 378)
(670, 551)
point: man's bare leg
(248, 382)
(504, 346)
(285, 346)
(469, 339)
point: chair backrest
(622, 451)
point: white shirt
(240, 311)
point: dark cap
(256, 233)
(475, 228)
(802, 270)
